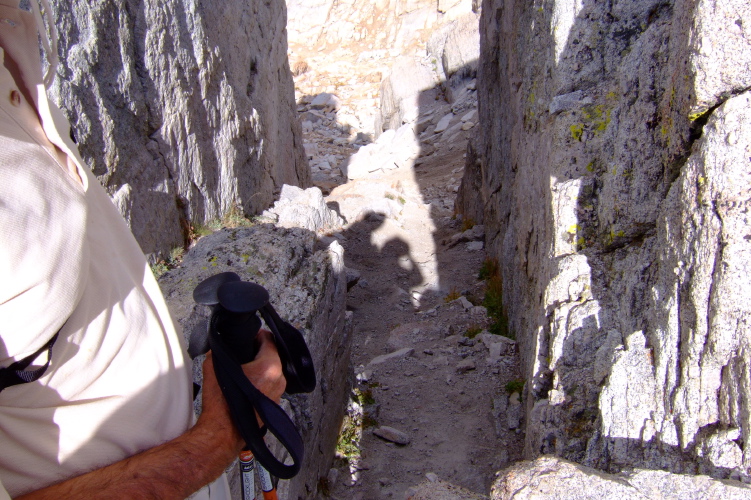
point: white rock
(325, 101)
(475, 246)
(464, 302)
(304, 208)
(311, 149)
(443, 123)
(401, 353)
(469, 116)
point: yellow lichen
(576, 131)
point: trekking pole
(247, 464)
(267, 484)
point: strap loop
(244, 401)
(16, 373)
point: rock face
(328, 24)
(451, 63)
(615, 164)
(183, 109)
(307, 286)
(550, 477)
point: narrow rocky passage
(436, 397)
(430, 402)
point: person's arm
(178, 468)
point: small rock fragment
(443, 123)
(465, 303)
(465, 366)
(365, 376)
(514, 411)
(475, 246)
(392, 435)
(401, 353)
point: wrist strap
(244, 401)
(17, 373)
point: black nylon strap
(17, 373)
(244, 400)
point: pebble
(466, 304)
(443, 123)
(469, 116)
(392, 435)
(365, 376)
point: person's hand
(265, 372)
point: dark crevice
(641, 233)
(696, 130)
(697, 126)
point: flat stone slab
(401, 353)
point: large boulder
(615, 166)
(307, 285)
(457, 46)
(185, 110)
(304, 208)
(453, 52)
(393, 150)
(401, 91)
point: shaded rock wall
(615, 164)
(307, 285)
(184, 109)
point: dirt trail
(428, 384)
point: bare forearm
(178, 468)
(174, 469)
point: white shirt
(118, 382)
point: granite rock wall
(184, 109)
(615, 160)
